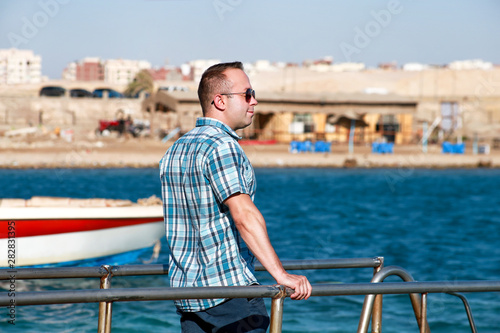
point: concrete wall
(80, 114)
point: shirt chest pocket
(248, 175)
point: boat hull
(40, 236)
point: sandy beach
(121, 152)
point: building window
(450, 115)
(388, 126)
(330, 128)
(388, 123)
(302, 123)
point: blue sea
(437, 224)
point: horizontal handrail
(137, 294)
(405, 288)
(159, 269)
(327, 263)
(166, 293)
(80, 272)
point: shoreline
(123, 153)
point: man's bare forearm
(252, 227)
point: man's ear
(219, 103)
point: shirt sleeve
(226, 171)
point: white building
(69, 73)
(122, 71)
(340, 67)
(348, 67)
(415, 67)
(470, 64)
(264, 66)
(20, 66)
(199, 66)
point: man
(213, 228)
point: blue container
(322, 147)
(459, 148)
(450, 148)
(308, 146)
(294, 147)
(382, 148)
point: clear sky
(177, 31)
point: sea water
(436, 224)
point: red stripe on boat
(27, 228)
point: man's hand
(299, 283)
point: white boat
(44, 230)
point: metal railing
(159, 269)
(419, 306)
(278, 293)
(105, 273)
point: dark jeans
(237, 315)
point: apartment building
(122, 71)
(20, 66)
(91, 69)
(88, 69)
(116, 71)
(197, 67)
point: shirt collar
(205, 121)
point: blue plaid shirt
(201, 170)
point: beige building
(287, 117)
(197, 67)
(122, 71)
(20, 66)
(112, 71)
(393, 105)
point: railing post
(105, 308)
(377, 304)
(277, 311)
(366, 312)
(467, 310)
(416, 302)
(423, 314)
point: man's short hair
(214, 81)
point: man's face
(239, 111)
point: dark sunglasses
(249, 93)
